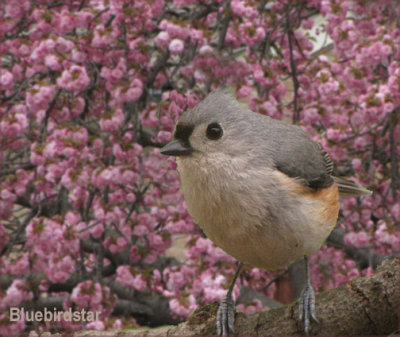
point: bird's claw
(307, 308)
(225, 316)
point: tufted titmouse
(259, 188)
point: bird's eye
(214, 131)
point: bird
(259, 188)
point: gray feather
(348, 188)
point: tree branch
(293, 72)
(364, 306)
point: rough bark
(364, 306)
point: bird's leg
(226, 310)
(307, 302)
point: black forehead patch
(183, 131)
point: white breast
(252, 214)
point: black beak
(177, 147)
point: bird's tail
(348, 188)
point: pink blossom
(328, 88)
(140, 230)
(52, 62)
(135, 91)
(196, 35)
(72, 218)
(202, 244)
(101, 39)
(150, 258)
(174, 30)
(14, 10)
(119, 245)
(112, 123)
(383, 236)
(357, 165)
(117, 325)
(183, 3)
(40, 98)
(10, 130)
(12, 328)
(131, 198)
(148, 200)
(183, 309)
(22, 120)
(17, 72)
(311, 116)
(334, 134)
(215, 254)
(175, 280)
(3, 240)
(6, 79)
(51, 149)
(308, 24)
(7, 195)
(134, 255)
(60, 271)
(61, 45)
(213, 287)
(244, 91)
(164, 136)
(65, 22)
(129, 177)
(97, 230)
(240, 9)
(78, 56)
(37, 158)
(206, 50)
(375, 53)
(119, 153)
(95, 325)
(360, 143)
(89, 294)
(162, 40)
(250, 34)
(125, 277)
(19, 267)
(256, 273)
(133, 94)
(396, 212)
(200, 76)
(16, 294)
(75, 79)
(176, 46)
(359, 239)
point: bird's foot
(307, 307)
(225, 316)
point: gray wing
(300, 157)
(307, 161)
